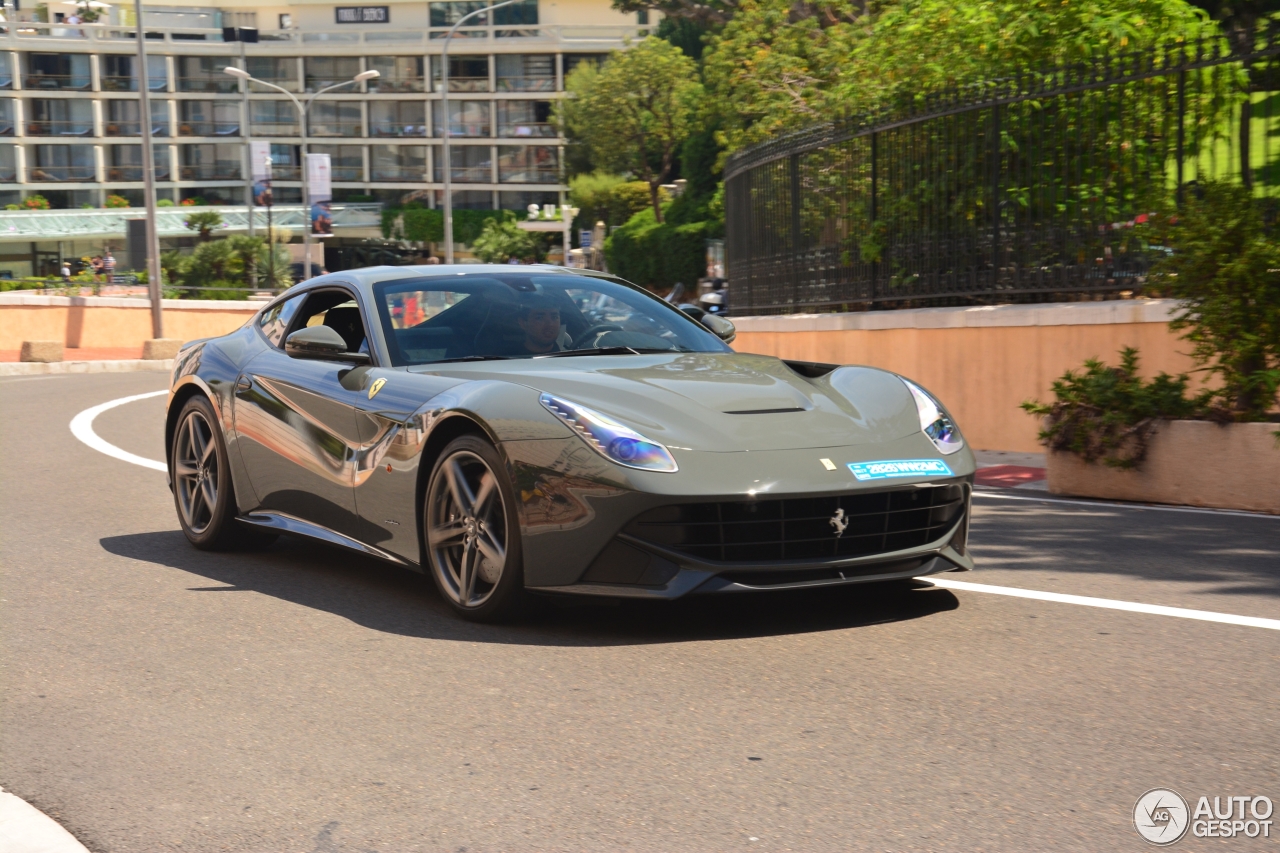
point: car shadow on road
(386, 598)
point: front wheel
(202, 488)
(472, 534)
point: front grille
(802, 528)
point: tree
(203, 222)
(635, 111)
(499, 241)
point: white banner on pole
(259, 154)
(320, 178)
(320, 186)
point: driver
(540, 321)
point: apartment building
(70, 115)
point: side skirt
(283, 523)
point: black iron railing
(1021, 189)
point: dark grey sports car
(514, 429)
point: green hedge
(658, 255)
(423, 225)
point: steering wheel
(593, 331)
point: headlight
(611, 439)
(935, 422)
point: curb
(39, 368)
(26, 829)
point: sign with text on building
(320, 188)
(362, 14)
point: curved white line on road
(1108, 603)
(82, 428)
(1123, 505)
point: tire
(471, 534)
(203, 493)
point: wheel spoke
(458, 487)
(209, 494)
(195, 439)
(488, 484)
(181, 468)
(210, 448)
(491, 549)
(469, 558)
(465, 572)
(446, 535)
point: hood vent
(767, 411)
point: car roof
(366, 277)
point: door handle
(243, 384)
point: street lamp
(241, 74)
(444, 110)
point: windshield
(473, 316)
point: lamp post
(447, 168)
(241, 74)
(149, 180)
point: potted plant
(1111, 434)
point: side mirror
(721, 327)
(322, 343)
(692, 310)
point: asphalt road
(157, 698)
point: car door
(296, 425)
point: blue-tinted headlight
(934, 421)
(610, 439)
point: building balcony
(208, 128)
(467, 130)
(393, 130)
(471, 174)
(528, 129)
(132, 128)
(526, 84)
(466, 84)
(396, 85)
(210, 172)
(350, 174)
(336, 128)
(8, 175)
(130, 84)
(65, 82)
(274, 128)
(134, 173)
(61, 174)
(282, 172)
(528, 176)
(59, 128)
(208, 84)
(400, 173)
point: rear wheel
(202, 488)
(472, 535)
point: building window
(62, 117)
(124, 162)
(273, 118)
(642, 17)
(335, 118)
(325, 71)
(209, 118)
(284, 164)
(399, 74)
(397, 118)
(525, 119)
(121, 118)
(466, 74)
(57, 71)
(210, 161)
(466, 118)
(573, 60)
(398, 162)
(118, 73)
(472, 164)
(528, 164)
(281, 70)
(60, 163)
(346, 161)
(526, 72)
(6, 117)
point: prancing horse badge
(376, 387)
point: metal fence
(1021, 189)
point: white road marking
(1108, 603)
(82, 428)
(1123, 505)
(25, 828)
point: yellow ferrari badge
(376, 387)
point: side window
(276, 320)
(337, 310)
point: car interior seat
(346, 322)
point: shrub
(35, 202)
(657, 255)
(114, 200)
(419, 224)
(1110, 413)
(165, 202)
(1226, 271)
(499, 241)
(204, 223)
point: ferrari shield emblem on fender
(376, 387)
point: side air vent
(766, 411)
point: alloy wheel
(467, 529)
(195, 472)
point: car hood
(717, 401)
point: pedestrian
(66, 273)
(96, 265)
(109, 266)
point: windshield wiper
(471, 358)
